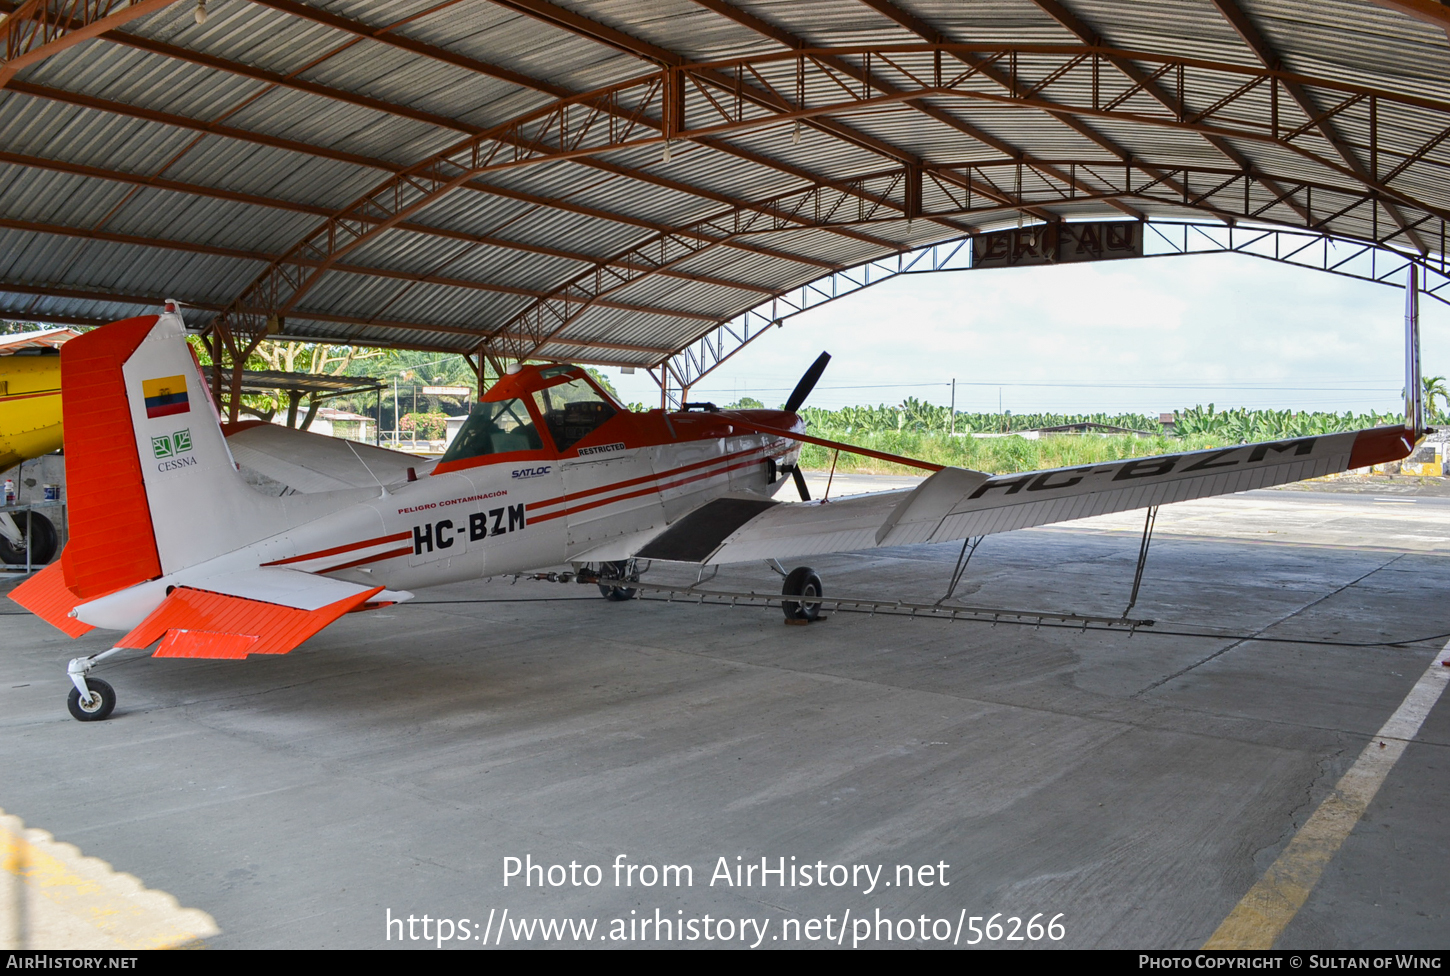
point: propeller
(807, 383)
(793, 403)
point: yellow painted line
(1261, 916)
(54, 897)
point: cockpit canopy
(562, 400)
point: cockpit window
(495, 428)
(572, 410)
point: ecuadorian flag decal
(165, 396)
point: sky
(1142, 336)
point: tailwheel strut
(91, 700)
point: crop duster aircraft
(170, 547)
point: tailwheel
(805, 584)
(95, 707)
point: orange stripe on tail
(112, 545)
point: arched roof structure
(608, 180)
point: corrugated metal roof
(133, 171)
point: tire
(103, 695)
(615, 571)
(802, 582)
(41, 542)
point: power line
(1266, 388)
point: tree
(305, 357)
(1434, 386)
(290, 357)
(603, 381)
(14, 328)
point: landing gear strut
(624, 571)
(91, 700)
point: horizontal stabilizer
(284, 587)
(205, 644)
(46, 595)
(201, 623)
(309, 462)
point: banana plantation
(1230, 426)
(922, 430)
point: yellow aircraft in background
(30, 425)
(30, 394)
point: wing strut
(969, 549)
(1148, 523)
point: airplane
(170, 546)
(30, 426)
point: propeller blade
(800, 484)
(807, 383)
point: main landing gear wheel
(98, 707)
(616, 571)
(802, 582)
(37, 534)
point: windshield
(572, 411)
(495, 428)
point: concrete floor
(1138, 787)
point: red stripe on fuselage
(631, 482)
(643, 491)
(405, 551)
(319, 554)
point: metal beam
(1084, 32)
(39, 29)
(388, 36)
(1430, 11)
(154, 301)
(1264, 51)
(782, 36)
(1348, 258)
(928, 32)
(243, 135)
(385, 36)
(110, 237)
(580, 126)
(579, 25)
(196, 189)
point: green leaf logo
(161, 447)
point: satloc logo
(533, 472)
(168, 449)
(440, 535)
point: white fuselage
(491, 519)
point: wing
(955, 503)
(308, 462)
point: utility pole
(953, 428)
